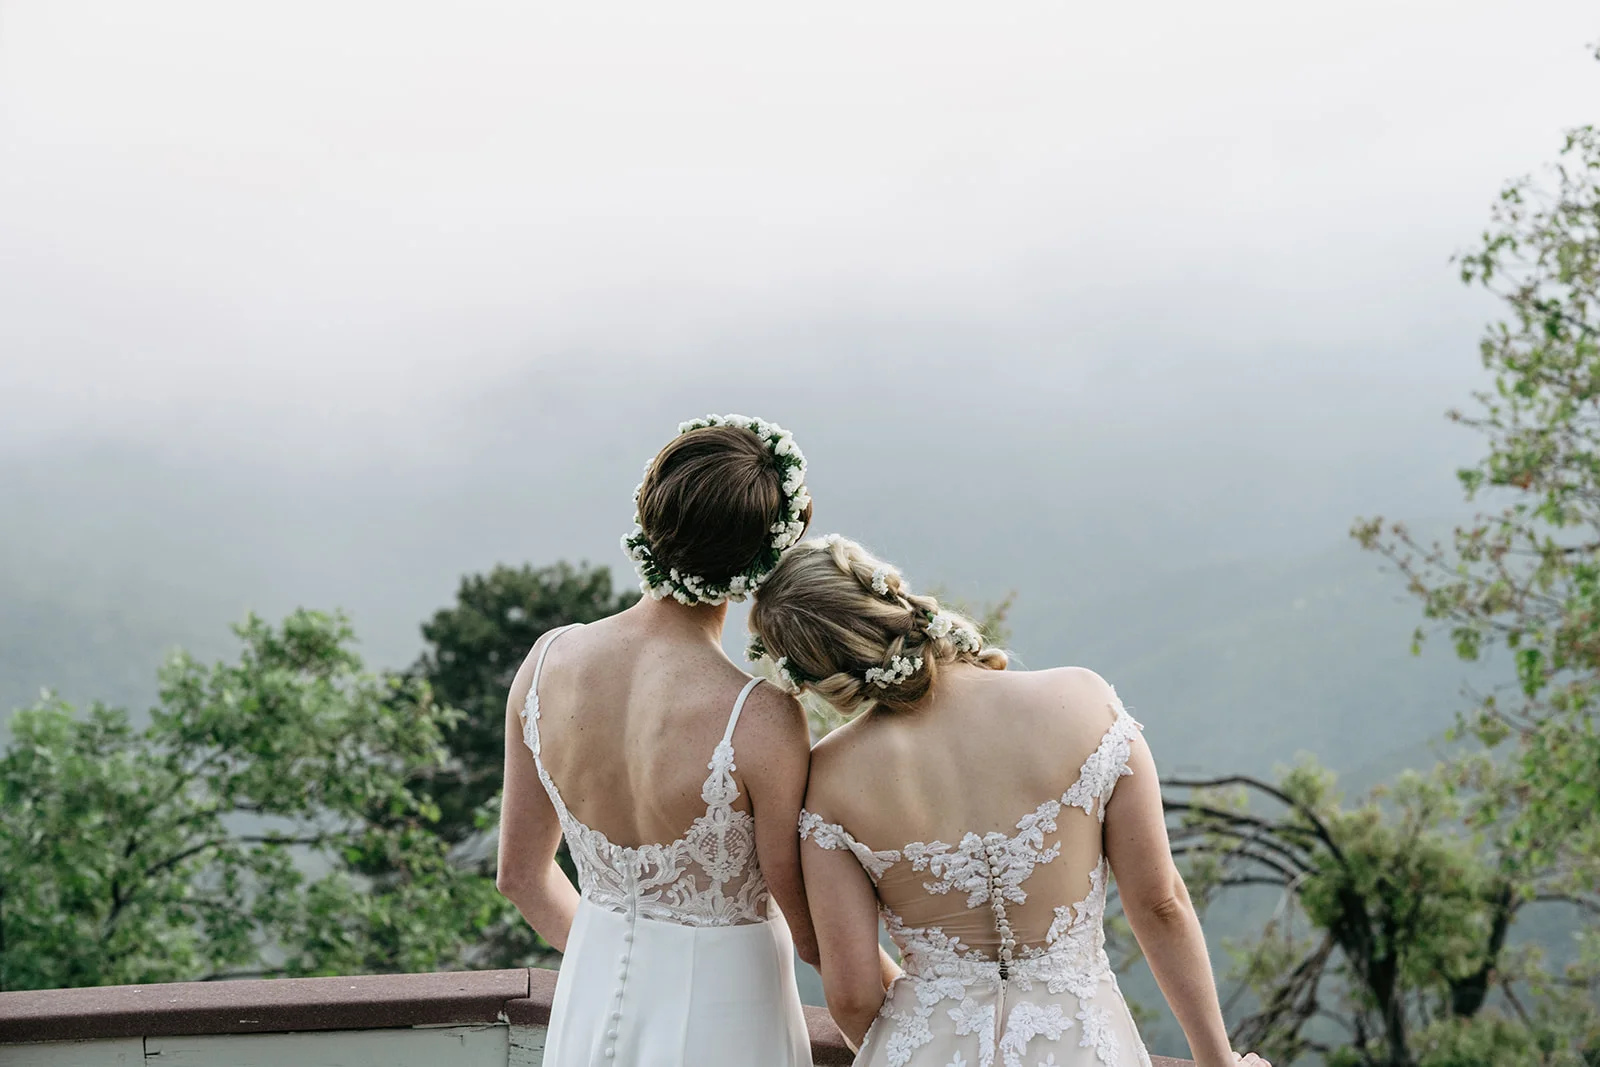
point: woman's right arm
(1157, 905)
(530, 832)
(844, 909)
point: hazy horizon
(330, 305)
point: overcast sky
(346, 215)
(330, 303)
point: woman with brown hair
(679, 948)
(979, 812)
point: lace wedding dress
(673, 959)
(1003, 955)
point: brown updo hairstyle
(818, 610)
(708, 502)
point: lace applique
(974, 1018)
(708, 877)
(1027, 1022)
(721, 842)
(1105, 765)
(835, 837)
(1077, 938)
(1097, 1034)
(980, 865)
(992, 869)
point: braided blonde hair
(833, 611)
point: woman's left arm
(530, 832)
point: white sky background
(333, 216)
(330, 303)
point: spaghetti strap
(530, 705)
(738, 706)
(538, 665)
(721, 790)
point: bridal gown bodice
(673, 958)
(1002, 942)
(707, 877)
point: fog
(1128, 310)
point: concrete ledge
(259, 1006)
(519, 998)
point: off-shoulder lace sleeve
(1107, 763)
(832, 836)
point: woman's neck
(667, 614)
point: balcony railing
(460, 1019)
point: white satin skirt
(636, 992)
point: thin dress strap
(720, 789)
(530, 706)
(738, 706)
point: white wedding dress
(674, 958)
(1004, 957)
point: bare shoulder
(523, 679)
(771, 716)
(770, 740)
(842, 762)
(1077, 691)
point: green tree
(220, 839)
(1390, 944)
(1524, 578)
(1394, 943)
(473, 649)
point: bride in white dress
(980, 814)
(675, 952)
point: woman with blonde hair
(675, 952)
(981, 813)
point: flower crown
(694, 589)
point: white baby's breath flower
(880, 581)
(786, 676)
(940, 626)
(900, 668)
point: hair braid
(850, 627)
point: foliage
(1393, 941)
(1526, 578)
(219, 839)
(1392, 928)
(473, 649)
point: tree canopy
(223, 837)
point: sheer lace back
(1001, 908)
(708, 877)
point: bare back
(675, 778)
(995, 758)
(628, 723)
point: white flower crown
(692, 588)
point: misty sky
(341, 217)
(330, 303)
